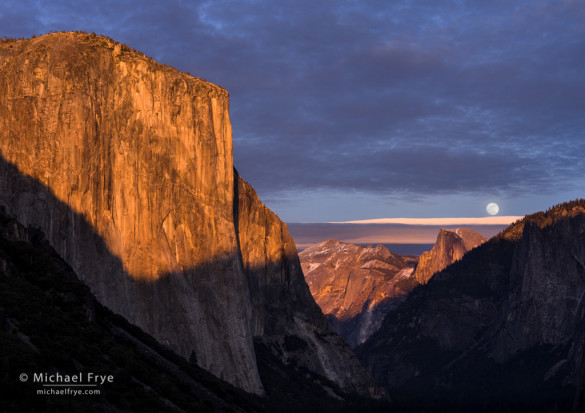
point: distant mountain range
(357, 286)
(417, 236)
(492, 220)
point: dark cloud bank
(411, 98)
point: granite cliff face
(356, 286)
(450, 246)
(126, 165)
(286, 319)
(50, 322)
(547, 297)
(504, 326)
(142, 155)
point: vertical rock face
(136, 160)
(548, 280)
(451, 245)
(286, 319)
(356, 286)
(272, 267)
(504, 324)
(126, 165)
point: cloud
(403, 97)
(499, 220)
(312, 233)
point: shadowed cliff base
(352, 328)
(579, 404)
(181, 310)
(51, 323)
(203, 290)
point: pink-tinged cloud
(496, 220)
(308, 234)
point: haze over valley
(410, 239)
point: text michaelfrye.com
(58, 384)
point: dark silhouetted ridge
(502, 329)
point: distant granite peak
(355, 286)
(450, 246)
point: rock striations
(356, 286)
(450, 246)
(501, 328)
(126, 165)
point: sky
(355, 110)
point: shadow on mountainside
(51, 324)
(204, 289)
(471, 337)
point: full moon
(492, 208)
